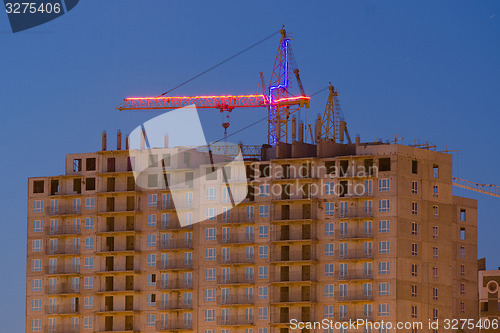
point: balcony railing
(62, 249)
(61, 269)
(236, 259)
(291, 277)
(175, 244)
(174, 284)
(61, 309)
(63, 230)
(63, 288)
(61, 329)
(292, 236)
(235, 238)
(353, 296)
(235, 279)
(235, 300)
(355, 254)
(171, 225)
(174, 325)
(174, 264)
(293, 256)
(235, 320)
(354, 234)
(292, 298)
(358, 212)
(354, 275)
(174, 305)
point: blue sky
(424, 70)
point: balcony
(63, 288)
(67, 230)
(235, 320)
(353, 296)
(235, 238)
(235, 279)
(236, 259)
(62, 249)
(174, 264)
(352, 316)
(292, 256)
(175, 244)
(174, 305)
(355, 255)
(64, 211)
(352, 213)
(174, 284)
(61, 329)
(62, 269)
(62, 309)
(174, 325)
(172, 225)
(297, 277)
(292, 298)
(355, 234)
(234, 300)
(282, 236)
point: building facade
(338, 232)
(489, 300)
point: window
(414, 207)
(414, 269)
(209, 295)
(89, 223)
(414, 187)
(329, 249)
(384, 247)
(88, 323)
(462, 270)
(88, 282)
(368, 187)
(151, 260)
(36, 285)
(329, 269)
(368, 207)
(211, 193)
(383, 310)
(462, 307)
(36, 265)
(462, 288)
(152, 240)
(263, 292)
(263, 231)
(384, 185)
(329, 208)
(36, 304)
(151, 280)
(249, 213)
(383, 268)
(328, 312)
(90, 203)
(150, 320)
(462, 233)
(89, 263)
(435, 171)
(414, 311)
(383, 205)
(264, 211)
(414, 228)
(414, 290)
(368, 228)
(210, 274)
(264, 190)
(414, 249)
(249, 273)
(88, 302)
(462, 215)
(89, 243)
(414, 167)
(37, 245)
(210, 234)
(383, 226)
(151, 299)
(435, 314)
(263, 313)
(435, 212)
(383, 288)
(328, 290)
(212, 213)
(329, 188)
(384, 164)
(435, 294)
(37, 226)
(210, 315)
(36, 325)
(435, 191)
(263, 272)
(210, 254)
(435, 232)
(38, 206)
(263, 251)
(151, 220)
(329, 229)
(152, 200)
(435, 273)
(435, 252)
(462, 251)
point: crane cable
(222, 62)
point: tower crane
(333, 125)
(488, 189)
(277, 99)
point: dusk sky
(422, 70)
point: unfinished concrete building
(335, 231)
